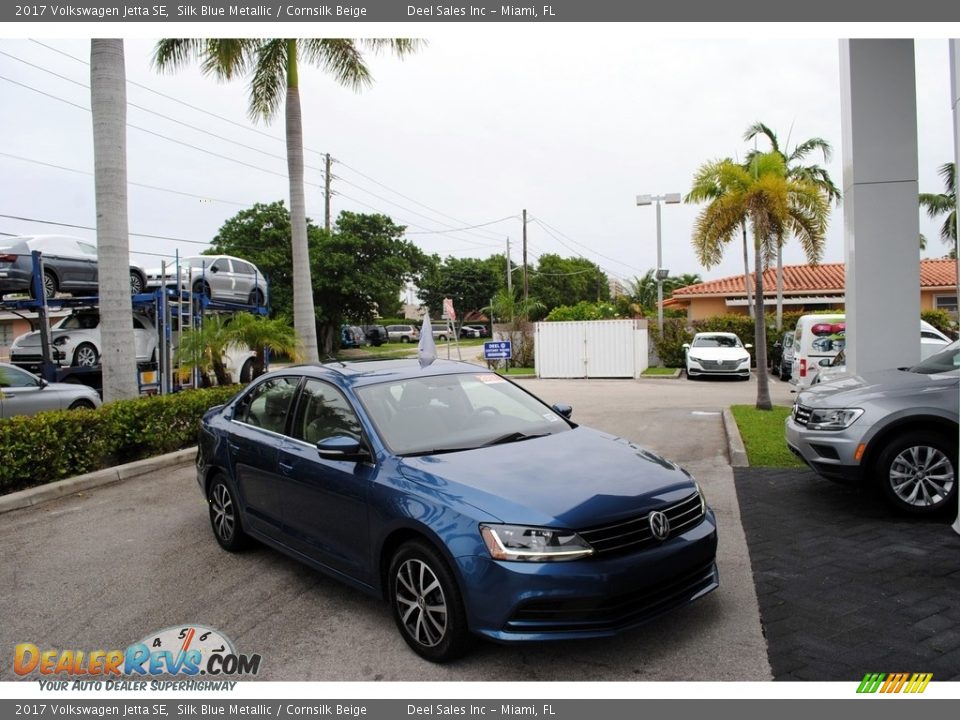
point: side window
(221, 265)
(87, 248)
(324, 412)
(14, 377)
(267, 405)
(242, 268)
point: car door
(24, 393)
(244, 279)
(144, 338)
(256, 434)
(325, 501)
(221, 279)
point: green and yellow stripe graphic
(894, 682)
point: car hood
(711, 353)
(32, 339)
(854, 389)
(575, 479)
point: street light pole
(662, 274)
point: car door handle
(285, 468)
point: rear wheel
(918, 473)
(225, 516)
(50, 285)
(137, 283)
(426, 603)
(256, 298)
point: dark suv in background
(376, 334)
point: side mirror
(747, 346)
(686, 346)
(342, 448)
(826, 362)
(43, 383)
(563, 409)
(214, 269)
(778, 344)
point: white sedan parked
(717, 353)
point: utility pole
(326, 192)
(526, 287)
(509, 270)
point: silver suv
(897, 428)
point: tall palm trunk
(108, 99)
(746, 273)
(760, 333)
(779, 284)
(304, 316)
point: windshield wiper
(514, 437)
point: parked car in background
(781, 356)
(895, 429)
(380, 474)
(403, 333)
(23, 393)
(441, 331)
(376, 334)
(817, 337)
(717, 353)
(481, 330)
(469, 332)
(352, 336)
(931, 341)
(69, 266)
(220, 277)
(75, 340)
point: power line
(88, 227)
(547, 228)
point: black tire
(225, 516)
(50, 285)
(137, 283)
(246, 372)
(81, 405)
(784, 374)
(256, 298)
(404, 339)
(917, 473)
(433, 625)
(86, 355)
(201, 288)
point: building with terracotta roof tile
(808, 288)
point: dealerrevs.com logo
(890, 683)
(190, 650)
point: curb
(676, 374)
(735, 448)
(52, 491)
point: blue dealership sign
(500, 350)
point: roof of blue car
(374, 371)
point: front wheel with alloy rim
(426, 603)
(918, 473)
(225, 516)
(86, 355)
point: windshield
(717, 341)
(79, 321)
(445, 413)
(943, 361)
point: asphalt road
(104, 568)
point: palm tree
(643, 290)
(108, 100)
(261, 334)
(274, 67)
(944, 203)
(773, 204)
(202, 348)
(813, 174)
(511, 309)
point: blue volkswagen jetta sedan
(470, 505)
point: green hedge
(54, 445)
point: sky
(570, 123)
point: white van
(819, 338)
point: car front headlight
(533, 544)
(745, 360)
(694, 358)
(833, 419)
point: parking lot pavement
(104, 568)
(845, 585)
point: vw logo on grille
(659, 525)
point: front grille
(719, 364)
(801, 414)
(635, 534)
(613, 612)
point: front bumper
(590, 598)
(830, 454)
(720, 368)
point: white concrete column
(955, 104)
(878, 101)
